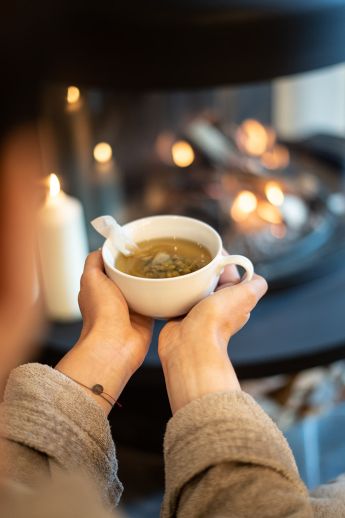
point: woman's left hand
(114, 342)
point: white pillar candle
(310, 103)
(63, 249)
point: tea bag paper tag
(111, 230)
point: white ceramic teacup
(175, 296)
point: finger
(230, 274)
(243, 295)
(234, 303)
(256, 287)
(93, 268)
(226, 285)
(94, 261)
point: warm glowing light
(276, 158)
(271, 137)
(253, 138)
(247, 201)
(269, 212)
(244, 203)
(54, 185)
(102, 152)
(73, 94)
(274, 193)
(182, 153)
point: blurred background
(264, 164)
(230, 112)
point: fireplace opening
(223, 155)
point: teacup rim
(166, 279)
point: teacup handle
(238, 260)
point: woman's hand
(106, 318)
(113, 343)
(193, 350)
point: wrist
(197, 369)
(109, 347)
(89, 365)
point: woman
(223, 455)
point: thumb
(233, 304)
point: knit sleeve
(225, 457)
(49, 416)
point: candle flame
(182, 153)
(54, 185)
(269, 213)
(102, 152)
(274, 193)
(244, 203)
(276, 158)
(253, 138)
(73, 94)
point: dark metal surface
(168, 43)
(290, 330)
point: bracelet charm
(97, 389)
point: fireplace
(214, 154)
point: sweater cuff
(220, 428)
(46, 411)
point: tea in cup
(178, 262)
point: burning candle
(73, 99)
(63, 249)
(253, 138)
(103, 153)
(182, 153)
(274, 193)
(104, 163)
(276, 158)
(269, 212)
(244, 204)
(73, 95)
(293, 209)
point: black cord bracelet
(96, 389)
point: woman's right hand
(193, 350)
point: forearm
(46, 412)
(245, 490)
(224, 456)
(201, 366)
(22, 464)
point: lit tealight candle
(102, 152)
(103, 155)
(244, 204)
(73, 99)
(274, 193)
(73, 94)
(63, 249)
(182, 153)
(269, 212)
(253, 138)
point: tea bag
(118, 237)
(161, 257)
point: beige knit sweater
(224, 457)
